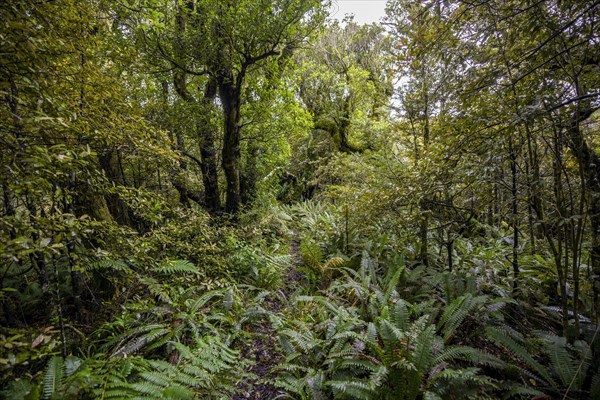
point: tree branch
(192, 158)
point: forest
(251, 199)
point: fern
(108, 264)
(563, 363)
(353, 389)
(467, 353)
(421, 359)
(570, 362)
(512, 391)
(400, 314)
(503, 339)
(595, 388)
(203, 300)
(456, 312)
(390, 334)
(312, 255)
(135, 339)
(156, 288)
(178, 267)
(211, 369)
(324, 301)
(468, 381)
(302, 341)
(54, 377)
(392, 283)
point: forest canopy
(249, 199)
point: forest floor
(261, 349)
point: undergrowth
(361, 320)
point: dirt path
(261, 348)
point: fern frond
(503, 339)
(288, 367)
(72, 364)
(107, 264)
(357, 364)
(209, 369)
(400, 314)
(205, 298)
(512, 390)
(302, 341)
(465, 377)
(372, 333)
(390, 334)
(177, 392)
(156, 288)
(198, 374)
(562, 362)
(320, 300)
(431, 396)
(333, 263)
(367, 269)
(595, 388)
(315, 382)
(456, 312)
(392, 283)
(378, 377)
(420, 359)
(312, 255)
(148, 389)
(54, 376)
(423, 352)
(291, 384)
(178, 267)
(354, 389)
(135, 343)
(155, 378)
(466, 353)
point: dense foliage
(246, 199)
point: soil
(261, 348)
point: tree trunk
(515, 210)
(562, 267)
(109, 163)
(590, 164)
(206, 139)
(249, 179)
(230, 95)
(208, 152)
